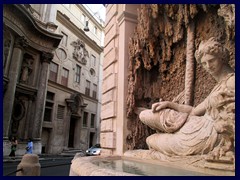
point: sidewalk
(41, 157)
(11, 159)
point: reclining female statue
(208, 128)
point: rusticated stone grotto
(162, 57)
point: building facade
(66, 116)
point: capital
(21, 42)
(46, 57)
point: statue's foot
(217, 156)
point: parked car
(94, 150)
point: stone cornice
(21, 42)
(126, 16)
(70, 91)
(18, 18)
(90, 16)
(79, 32)
(35, 23)
(27, 90)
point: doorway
(91, 139)
(45, 138)
(71, 132)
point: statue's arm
(199, 110)
(171, 105)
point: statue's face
(211, 64)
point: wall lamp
(86, 28)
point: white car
(94, 150)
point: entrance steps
(72, 152)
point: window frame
(53, 74)
(87, 88)
(85, 119)
(92, 123)
(64, 40)
(64, 76)
(49, 108)
(93, 60)
(78, 74)
(63, 111)
(95, 30)
(94, 91)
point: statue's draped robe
(182, 134)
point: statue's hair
(212, 47)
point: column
(14, 71)
(46, 58)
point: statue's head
(212, 47)
(212, 55)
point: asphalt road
(49, 167)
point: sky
(94, 8)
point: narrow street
(49, 167)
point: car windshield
(96, 146)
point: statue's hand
(227, 94)
(159, 106)
(223, 98)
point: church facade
(51, 75)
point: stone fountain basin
(128, 165)
(86, 166)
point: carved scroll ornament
(80, 53)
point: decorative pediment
(75, 103)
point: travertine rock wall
(158, 56)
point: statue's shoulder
(231, 81)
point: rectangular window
(50, 96)
(83, 19)
(48, 115)
(95, 30)
(87, 89)
(78, 74)
(49, 106)
(53, 72)
(92, 120)
(65, 73)
(60, 112)
(93, 61)
(85, 119)
(94, 93)
(64, 39)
